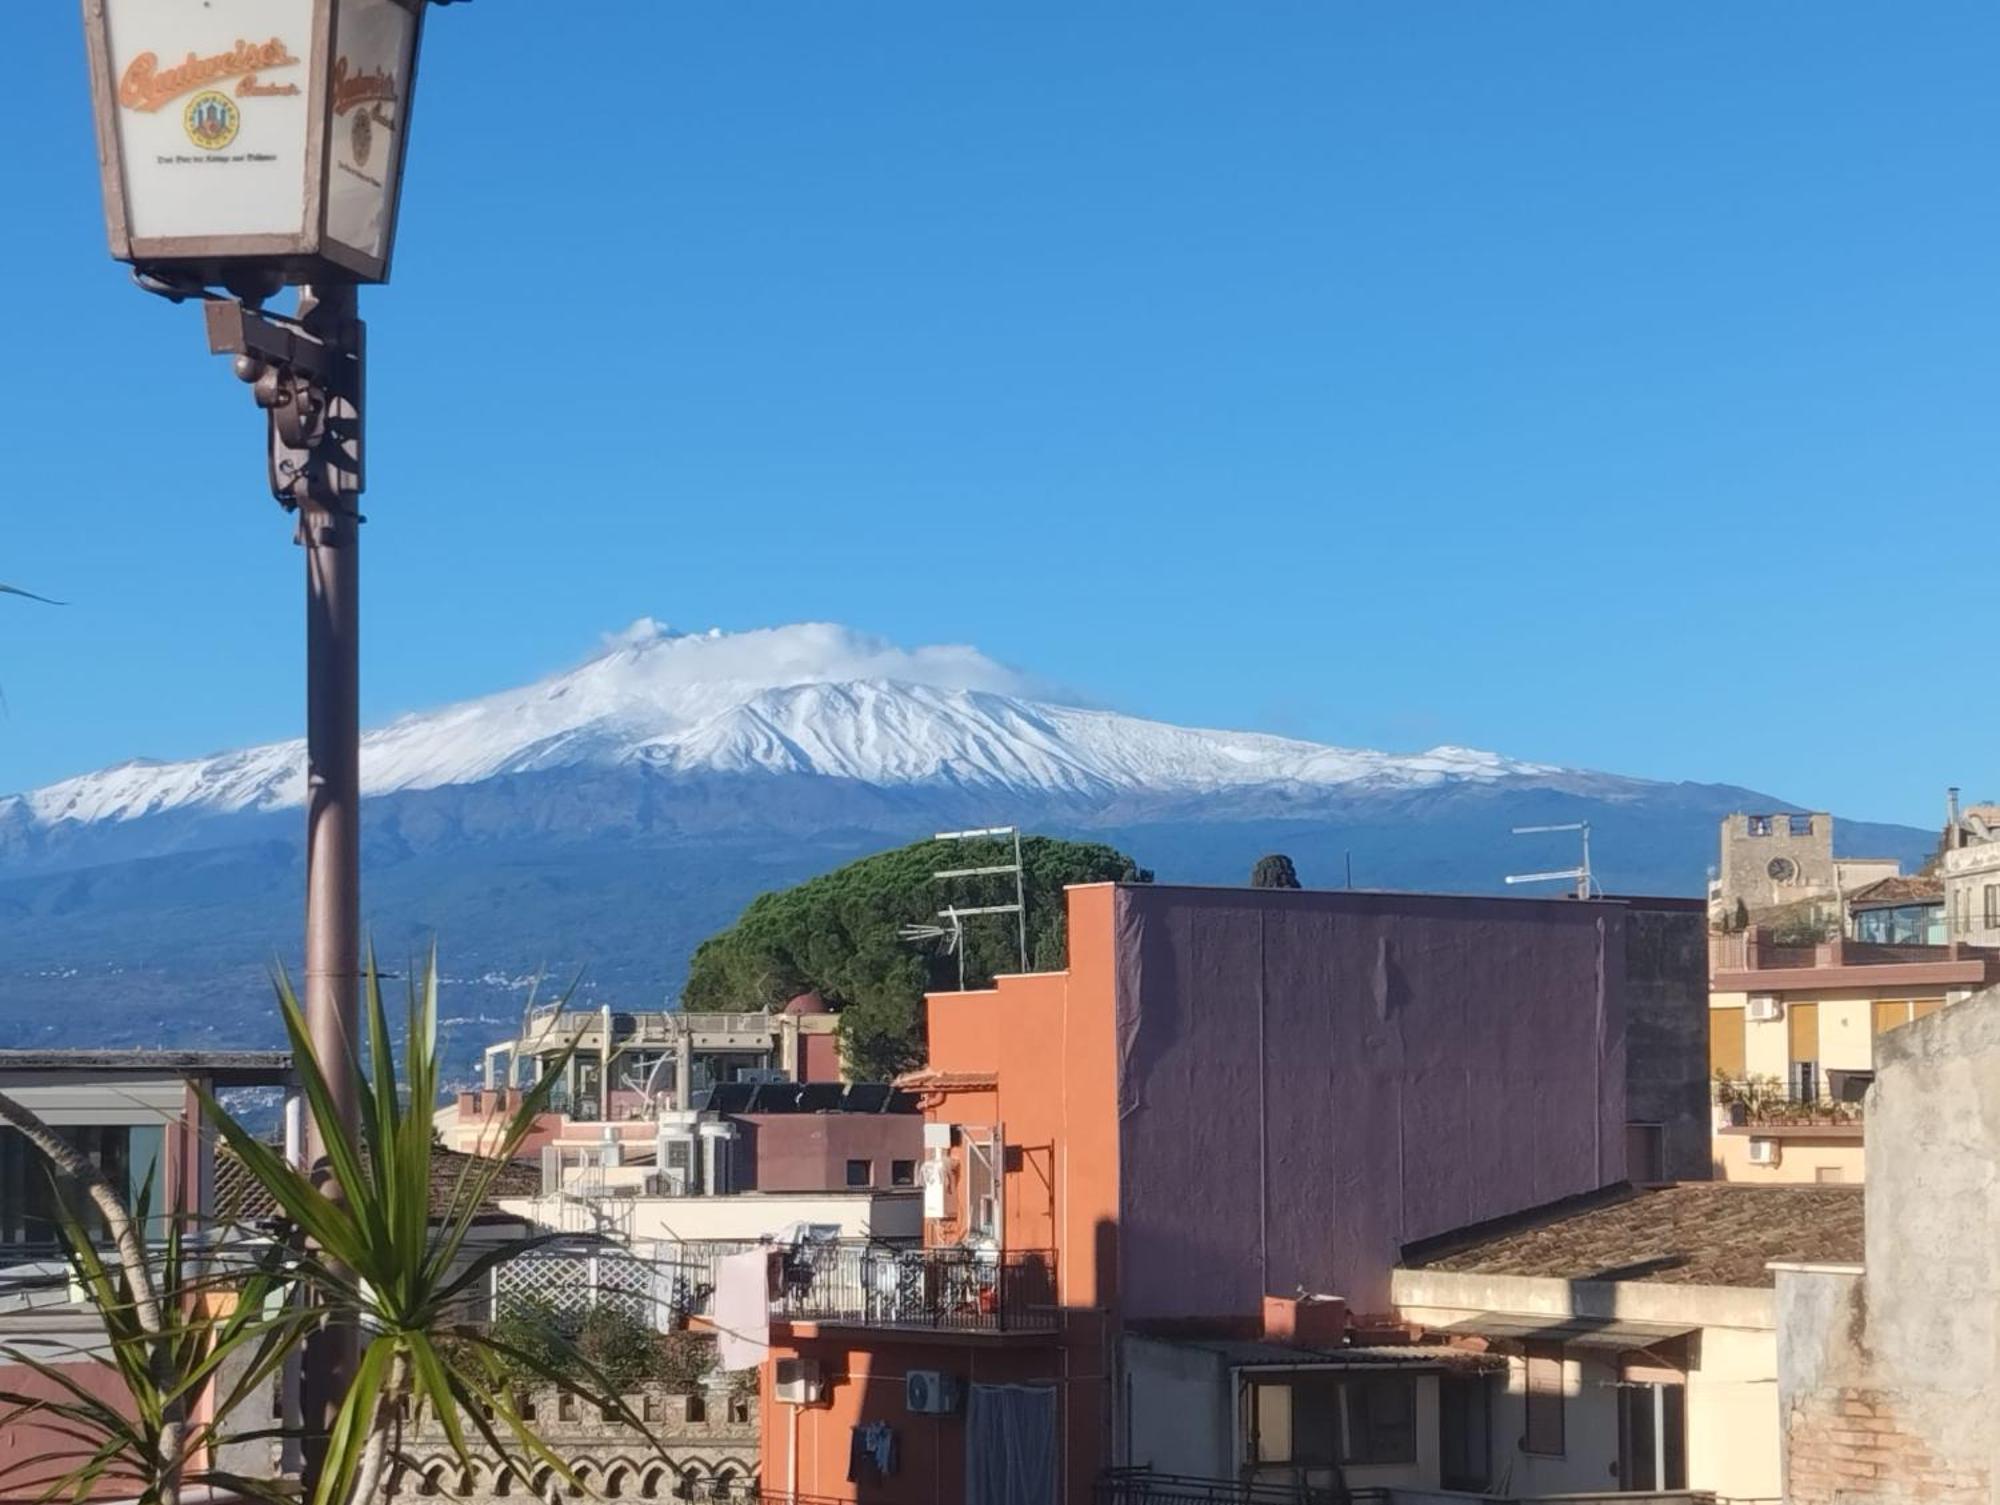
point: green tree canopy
(1274, 871)
(839, 934)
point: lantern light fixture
(251, 143)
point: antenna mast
(953, 915)
(1586, 885)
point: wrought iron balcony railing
(1141, 1486)
(955, 1290)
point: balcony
(873, 1285)
(1751, 962)
(1140, 1486)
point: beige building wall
(1843, 1034)
(1800, 1161)
(1733, 1445)
(1732, 1414)
(1969, 871)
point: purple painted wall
(808, 1152)
(1310, 1080)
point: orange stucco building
(1229, 1095)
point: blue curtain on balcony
(1010, 1445)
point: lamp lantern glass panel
(247, 138)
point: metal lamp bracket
(306, 373)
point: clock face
(1782, 870)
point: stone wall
(1889, 1379)
(1751, 843)
(1850, 1444)
(709, 1439)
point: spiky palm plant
(186, 1341)
(385, 1256)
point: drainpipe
(792, 1460)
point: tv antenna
(952, 933)
(955, 916)
(1586, 886)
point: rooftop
(1711, 1233)
(1254, 1354)
(239, 1199)
(1889, 892)
(229, 1068)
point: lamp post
(246, 145)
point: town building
(1785, 857)
(748, 1165)
(1970, 870)
(1229, 1100)
(624, 1067)
(1889, 1365)
(1638, 1334)
(1793, 1033)
(137, 1115)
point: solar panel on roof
(904, 1102)
(867, 1097)
(730, 1097)
(820, 1097)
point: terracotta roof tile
(1887, 891)
(1693, 1233)
(239, 1199)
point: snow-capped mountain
(602, 822)
(814, 700)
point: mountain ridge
(601, 822)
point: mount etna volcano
(604, 820)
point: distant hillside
(612, 817)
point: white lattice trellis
(572, 1281)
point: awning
(1572, 1332)
(948, 1081)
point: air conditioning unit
(930, 1392)
(1763, 1152)
(798, 1382)
(1764, 1008)
(937, 1136)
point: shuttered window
(1802, 1019)
(1544, 1433)
(1725, 1042)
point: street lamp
(250, 143)
(245, 145)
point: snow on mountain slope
(807, 699)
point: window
(1725, 1042)
(1299, 1428)
(1760, 825)
(1991, 896)
(1544, 1400)
(860, 1173)
(1802, 1031)
(1799, 825)
(1646, 1153)
(1652, 1437)
(902, 1173)
(1804, 1082)
(130, 1158)
(1465, 1424)
(1381, 1419)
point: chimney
(1305, 1321)
(1954, 838)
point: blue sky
(1605, 384)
